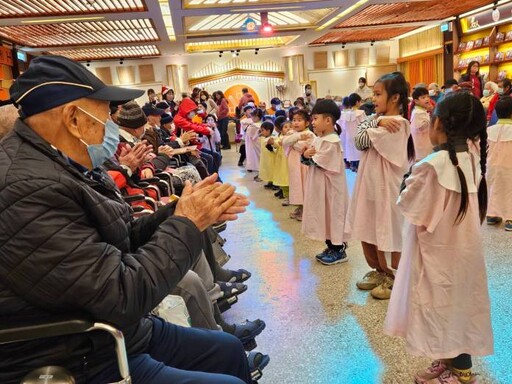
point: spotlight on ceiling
(88, 63)
(343, 45)
(266, 27)
(121, 61)
(238, 52)
(372, 43)
(256, 51)
(220, 53)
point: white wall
(334, 81)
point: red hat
(165, 90)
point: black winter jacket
(68, 244)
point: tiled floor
(320, 327)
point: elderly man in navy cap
(68, 243)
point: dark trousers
(200, 166)
(242, 154)
(216, 157)
(178, 355)
(223, 129)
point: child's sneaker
(285, 203)
(383, 291)
(448, 377)
(333, 257)
(434, 371)
(297, 214)
(492, 220)
(371, 280)
(322, 254)
(508, 225)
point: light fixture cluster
(236, 53)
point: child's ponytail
(464, 196)
(411, 153)
(482, 187)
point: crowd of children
(421, 191)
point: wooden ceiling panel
(38, 8)
(361, 35)
(407, 12)
(81, 33)
(105, 53)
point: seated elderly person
(68, 243)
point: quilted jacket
(68, 244)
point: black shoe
(226, 147)
(269, 186)
(240, 164)
(279, 194)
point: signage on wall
(5, 56)
(488, 18)
(249, 25)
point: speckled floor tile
(320, 328)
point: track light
(343, 45)
(238, 52)
(372, 43)
(88, 63)
(220, 53)
(256, 51)
(121, 61)
(266, 27)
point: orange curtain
(427, 70)
(414, 72)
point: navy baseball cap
(51, 81)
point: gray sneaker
(371, 280)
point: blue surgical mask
(99, 153)
(486, 92)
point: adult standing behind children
(499, 173)
(440, 302)
(223, 118)
(326, 192)
(374, 218)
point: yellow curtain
(427, 70)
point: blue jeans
(216, 157)
(178, 355)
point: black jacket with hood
(68, 244)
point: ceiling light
(342, 14)
(233, 54)
(266, 27)
(62, 20)
(220, 53)
(343, 45)
(372, 43)
(121, 61)
(88, 63)
(256, 51)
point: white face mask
(431, 92)
(486, 92)
(361, 85)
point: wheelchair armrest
(150, 180)
(15, 330)
(134, 198)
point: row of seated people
(116, 264)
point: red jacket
(181, 121)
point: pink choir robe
(326, 193)
(349, 121)
(373, 216)
(440, 301)
(420, 122)
(253, 146)
(499, 169)
(297, 171)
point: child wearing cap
(326, 192)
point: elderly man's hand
(206, 205)
(135, 156)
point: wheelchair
(26, 330)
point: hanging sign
(487, 18)
(249, 25)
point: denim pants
(178, 355)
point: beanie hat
(162, 105)
(131, 116)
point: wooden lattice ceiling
(355, 35)
(103, 53)
(81, 33)
(414, 11)
(33, 8)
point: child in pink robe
(294, 143)
(374, 218)
(420, 121)
(349, 121)
(326, 192)
(499, 172)
(253, 142)
(440, 301)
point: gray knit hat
(131, 116)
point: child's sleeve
(420, 122)
(423, 199)
(392, 146)
(362, 139)
(329, 157)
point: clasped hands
(209, 202)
